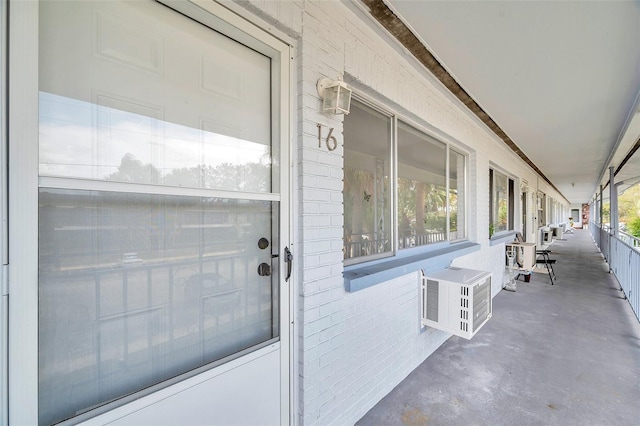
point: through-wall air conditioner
(456, 300)
(525, 255)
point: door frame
(4, 237)
(22, 140)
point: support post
(600, 207)
(613, 203)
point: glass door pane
(158, 221)
(137, 106)
(136, 289)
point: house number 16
(331, 141)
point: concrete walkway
(567, 354)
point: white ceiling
(561, 78)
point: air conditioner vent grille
(433, 289)
(481, 303)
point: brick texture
(353, 348)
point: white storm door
(162, 219)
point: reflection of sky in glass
(84, 140)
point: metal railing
(629, 239)
(358, 245)
(365, 245)
(623, 256)
(413, 239)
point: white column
(600, 206)
(613, 203)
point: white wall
(353, 348)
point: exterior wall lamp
(336, 96)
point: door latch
(288, 257)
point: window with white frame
(542, 208)
(501, 202)
(390, 162)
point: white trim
(229, 23)
(286, 288)
(294, 346)
(257, 21)
(147, 400)
(3, 133)
(142, 188)
(23, 212)
(447, 185)
(502, 170)
(4, 255)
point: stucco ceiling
(561, 78)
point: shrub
(634, 227)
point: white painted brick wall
(489, 259)
(353, 348)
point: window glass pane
(456, 195)
(500, 202)
(136, 289)
(123, 100)
(367, 211)
(422, 194)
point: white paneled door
(162, 217)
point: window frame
(511, 201)
(541, 204)
(449, 144)
(392, 176)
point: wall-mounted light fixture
(336, 96)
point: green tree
(629, 205)
(606, 213)
(633, 226)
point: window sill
(502, 237)
(428, 258)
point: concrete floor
(567, 354)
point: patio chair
(548, 263)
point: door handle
(288, 257)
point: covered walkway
(567, 354)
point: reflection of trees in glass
(132, 170)
(453, 210)
(235, 177)
(358, 205)
(436, 208)
(503, 210)
(421, 207)
(406, 206)
(244, 177)
(366, 212)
